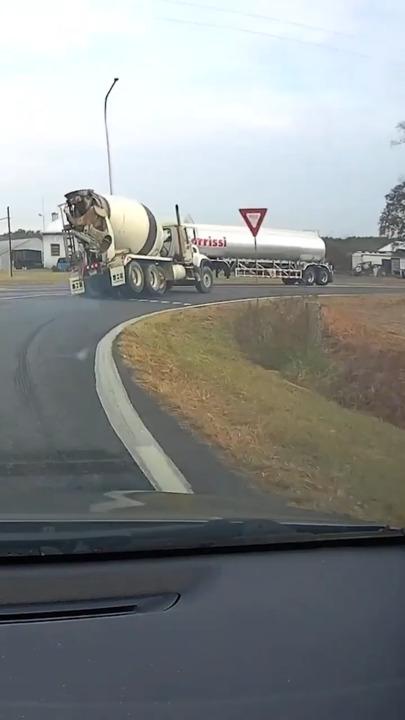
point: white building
(53, 246)
(395, 246)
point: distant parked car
(62, 265)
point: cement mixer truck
(117, 245)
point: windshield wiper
(38, 539)
(81, 537)
(342, 528)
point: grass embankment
(213, 368)
(33, 277)
(366, 340)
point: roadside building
(393, 247)
(53, 246)
(371, 263)
(26, 252)
(387, 260)
(397, 249)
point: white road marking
(366, 287)
(118, 499)
(160, 470)
(83, 354)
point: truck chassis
(289, 271)
(137, 275)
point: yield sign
(253, 218)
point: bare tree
(401, 133)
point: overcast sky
(291, 107)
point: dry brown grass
(366, 340)
(33, 277)
(286, 438)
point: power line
(257, 16)
(325, 46)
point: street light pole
(106, 136)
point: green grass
(286, 438)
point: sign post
(253, 218)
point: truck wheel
(206, 282)
(94, 287)
(288, 281)
(135, 278)
(309, 276)
(155, 281)
(322, 276)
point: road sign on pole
(253, 218)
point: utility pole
(107, 138)
(10, 251)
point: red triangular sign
(253, 218)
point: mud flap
(76, 285)
(117, 275)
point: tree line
(20, 234)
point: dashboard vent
(78, 609)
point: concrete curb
(150, 457)
(161, 472)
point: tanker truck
(293, 256)
(117, 245)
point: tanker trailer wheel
(135, 278)
(206, 281)
(322, 276)
(309, 276)
(155, 281)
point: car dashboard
(262, 633)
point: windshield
(202, 267)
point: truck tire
(206, 282)
(135, 278)
(155, 281)
(309, 276)
(322, 276)
(289, 281)
(94, 286)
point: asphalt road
(57, 449)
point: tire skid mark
(24, 383)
